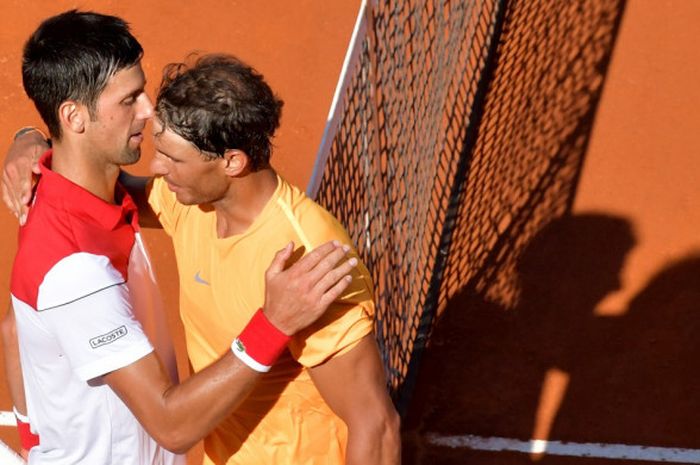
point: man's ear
(72, 116)
(235, 162)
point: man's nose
(145, 107)
(157, 166)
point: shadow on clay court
(550, 368)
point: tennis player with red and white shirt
(83, 292)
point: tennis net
(457, 131)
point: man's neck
(90, 173)
(245, 200)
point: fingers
(9, 195)
(27, 188)
(35, 162)
(313, 258)
(6, 198)
(328, 262)
(330, 278)
(17, 191)
(335, 292)
(281, 257)
(23, 211)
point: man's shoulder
(58, 260)
(310, 218)
(42, 242)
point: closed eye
(131, 99)
(174, 160)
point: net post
(333, 120)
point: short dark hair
(220, 103)
(71, 56)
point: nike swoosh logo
(199, 279)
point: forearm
(193, 408)
(15, 383)
(13, 369)
(177, 417)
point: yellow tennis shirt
(222, 283)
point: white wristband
(239, 351)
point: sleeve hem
(350, 340)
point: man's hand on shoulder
(20, 170)
(299, 295)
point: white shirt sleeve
(91, 316)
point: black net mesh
(461, 131)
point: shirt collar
(80, 202)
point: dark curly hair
(220, 103)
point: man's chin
(184, 199)
(131, 156)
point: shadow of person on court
(497, 372)
(564, 273)
(648, 396)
